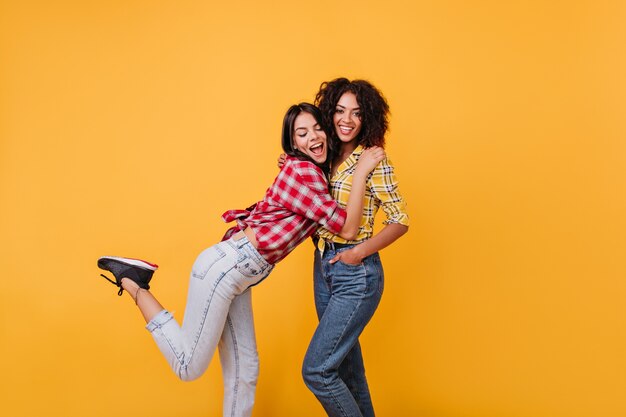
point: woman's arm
(302, 188)
(368, 160)
(384, 186)
(389, 234)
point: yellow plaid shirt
(381, 191)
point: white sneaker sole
(134, 262)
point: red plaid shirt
(291, 210)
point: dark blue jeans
(346, 297)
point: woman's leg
(352, 373)
(351, 370)
(147, 303)
(213, 284)
(239, 357)
(219, 276)
(346, 298)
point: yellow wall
(128, 127)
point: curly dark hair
(374, 108)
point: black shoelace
(114, 283)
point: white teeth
(319, 145)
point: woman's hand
(281, 160)
(369, 159)
(351, 256)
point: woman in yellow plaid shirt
(348, 275)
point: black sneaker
(135, 269)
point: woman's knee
(313, 373)
(187, 375)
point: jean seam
(229, 323)
(324, 379)
(178, 355)
(204, 317)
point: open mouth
(317, 149)
(346, 130)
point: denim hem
(159, 320)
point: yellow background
(128, 127)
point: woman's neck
(344, 153)
(346, 150)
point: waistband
(330, 245)
(242, 243)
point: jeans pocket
(359, 265)
(206, 260)
(249, 267)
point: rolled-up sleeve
(384, 186)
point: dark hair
(288, 128)
(374, 108)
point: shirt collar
(352, 160)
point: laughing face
(347, 118)
(309, 137)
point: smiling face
(347, 118)
(309, 137)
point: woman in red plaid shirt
(219, 309)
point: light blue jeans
(218, 311)
(346, 297)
